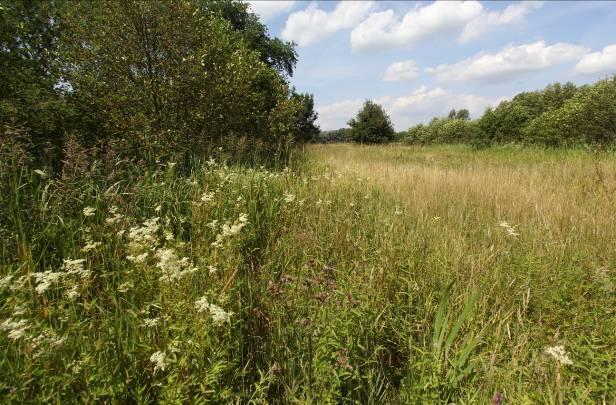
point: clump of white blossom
(47, 279)
(219, 315)
(509, 229)
(559, 353)
(229, 230)
(89, 212)
(16, 328)
(158, 358)
(173, 268)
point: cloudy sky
(421, 59)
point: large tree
(371, 125)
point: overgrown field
(382, 274)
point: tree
(463, 114)
(274, 52)
(306, 130)
(371, 125)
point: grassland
(361, 275)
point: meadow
(357, 274)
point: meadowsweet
(510, 229)
(559, 353)
(44, 280)
(90, 245)
(137, 259)
(207, 197)
(219, 315)
(144, 237)
(73, 293)
(212, 269)
(115, 216)
(172, 267)
(6, 281)
(16, 329)
(75, 266)
(89, 212)
(158, 358)
(125, 287)
(150, 322)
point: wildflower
(72, 294)
(6, 281)
(559, 353)
(158, 358)
(144, 237)
(212, 269)
(40, 173)
(219, 315)
(116, 217)
(137, 259)
(75, 267)
(89, 212)
(169, 236)
(158, 208)
(46, 279)
(150, 322)
(289, 198)
(211, 161)
(173, 269)
(212, 224)
(16, 329)
(125, 287)
(510, 229)
(207, 197)
(90, 246)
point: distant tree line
(183, 75)
(558, 115)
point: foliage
(306, 130)
(371, 125)
(334, 136)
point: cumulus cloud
(488, 20)
(398, 71)
(469, 19)
(386, 30)
(509, 63)
(419, 106)
(269, 9)
(313, 24)
(598, 62)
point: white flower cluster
(115, 216)
(158, 358)
(559, 353)
(45, 280)
(510, 229)
(90, 245)
(16, 328)
(219, 315)
(229, 230)
(144, 236)
(89, 212)
(172, 267)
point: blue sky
(421, 59)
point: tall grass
(361, 275)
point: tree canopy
(371, 125)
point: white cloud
(268, 9)
(509, 63)
(385, 30)
(420, 106)
(598, 62)
(313, 24)
(490, 19)
(336, 115)
(406, 70)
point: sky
(422, 59)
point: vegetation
(182, 75)
(367, 274)
(559, 115)
(163, 240)
(372, 125)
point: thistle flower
(158, 358)
(89, 212)
(559, 353)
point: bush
(371, 125)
